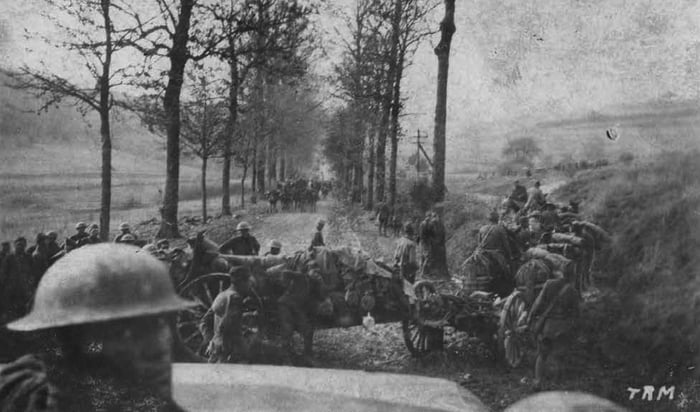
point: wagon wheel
(202, 290)
(511, 325)
(420, 339)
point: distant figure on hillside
(73, 242)
(317, 239)
(243, 243)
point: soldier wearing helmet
(242, 243)
(73, 242)
(109, 295)
(552, 319)
(125, 230)
(275, 248)
(163, 244)
(317, 239)
(405, 260)
(53, 248)
(226, 319)
(93, 236)
(18, 282)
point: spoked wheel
(420, 339)
(511, 327)
(202, 290)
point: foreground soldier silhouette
(103, 296)
(553, 320)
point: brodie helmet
(101, 283)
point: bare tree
(442, 51)
(203, 124)
(408, 28)
(167, 36)
(95, 42)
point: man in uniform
(125, 229)
(163, 245)
(243, 243)
(432, 241)
(317, 239)
(405, 254)
(518, 197)
(128, 239)
(73, 242)
(275, 248)
(40, 258)
(552, 319)
(294, 308)
(494, 241)
(19, 280)
(535, 198)
(104, 294)
(53, 248)
(226, 316)
(93, 238)
(5, 250)
(383, 213)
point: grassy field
(52, 186)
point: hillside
(61, 140)
(645, 130)
(650, 319)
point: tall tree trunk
(231, 130)
(171, 104)
(204, 189)
(394, 87)
(261, 171)
(272, 168)
(245, 174)
(254, 177)
(380, 159)
(442, 51)
(370, 171)
(105, 132)
(282, 167)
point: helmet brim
(38, 320)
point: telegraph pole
(418, 155)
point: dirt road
(382, 349)
(465, 360)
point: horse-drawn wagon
(357, 288)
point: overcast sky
(524, 59)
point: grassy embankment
(644, 325)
